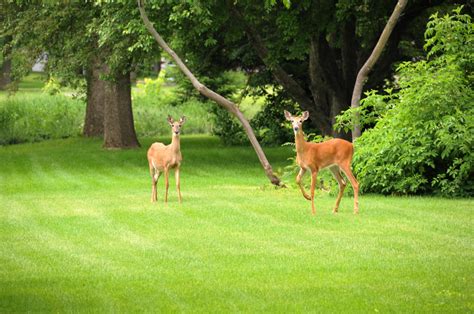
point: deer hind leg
(314, 175)
(178, 185)
(336, 172)
(355, 185)
(166, 184)
(298, 181)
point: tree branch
(367, 67)
(222, 101)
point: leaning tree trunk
(119, 131)
(222, 101)
(96, 93)
(367, 67)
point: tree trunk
(222, 101)
(367, 67)
(96, 97)
(119, 130)
(5, 75)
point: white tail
(162, 158)
(335, 154)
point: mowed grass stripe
(81, 234)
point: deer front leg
(178, 186)
(298, 181)
(166, 184)
(314, 175)
(155, 174)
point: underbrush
(35, 117)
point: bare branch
(367, 67)
(220, 100)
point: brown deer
(162, 158)
(335, 154)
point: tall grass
(32, 117)
(150, 117)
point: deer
(335, 154)
(162, 158)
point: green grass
(78, 233)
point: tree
(313, 50)
(95, 39)
(227, 104)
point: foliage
(423, 142)
(52, 86)
(150, 119)
(156, 91)
(78, 233)
(36, 117)
(269, 122)
(229, 84)
(33, 116)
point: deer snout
(296, 129)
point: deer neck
(300, 142)
(175, 143)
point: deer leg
(178, 186)
(166, 184)
(298, 181)
(314, 175)
(342, 185)
(155, 174)
(355, 185)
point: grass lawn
(78, 232)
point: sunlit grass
(77, 232)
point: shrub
(422, 141)
(36, 117)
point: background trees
(313, 50)
(95, 42)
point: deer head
(296, 122)
(176, 125)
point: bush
(36, 117)
(422, 141)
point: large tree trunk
(96, 97)
(368, 65)
(222, 101)
(119, 130)
(5, 75)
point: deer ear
(182, 120)
(170, 120)
(305, 115)
(288, 115)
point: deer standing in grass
(335, 154)
(162, 158)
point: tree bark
(367, 67)
(222, 101)
(5, 77)
(96, 97)
(119, 130)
